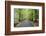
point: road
(25, 23)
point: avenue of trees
(25, 14)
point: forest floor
(25, 23)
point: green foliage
(29, 14)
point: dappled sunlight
(26, 17)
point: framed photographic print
(24, 17)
